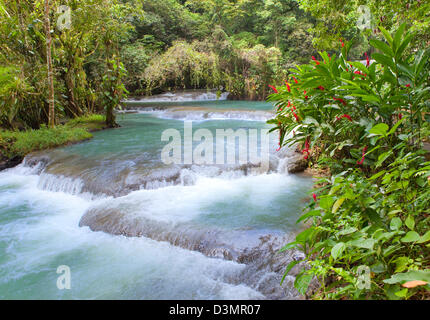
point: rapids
(132, 227)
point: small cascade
(64, 184)
(259, 252)
(197, 114)
(181, 96)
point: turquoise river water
(130, 227)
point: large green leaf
(380, 129)
(302, 283)
(337, 250)
(425, 238)
(398, 36)
(422, 275)
(387, 35)
(411, 236)
(385, 48)
(384, 60)
(396, 223)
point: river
(132, 227)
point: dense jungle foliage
(369, 222)
(112, 47)
(364, 121)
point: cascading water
(131, 227)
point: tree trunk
(51, 116)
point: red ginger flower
(367, 60)
(342, 43)
(315, 59)
(346, 116)
(363, 156)
(295, 80)
(321, 88)
(315, 197)
(273, 88)
(306, 97)
(306, 149)
(408, 85)
(340, 100)
(288, 86)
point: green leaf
(367, 97)
(290, 266)
(380, 129)
(376, 176)
(396, 223)
(422, 275)
(425, 237)
(347, 231)
(289, 246)
(411, 236)
(337, 250)
(398, 36)
(402, 264)
(384, 156)
(302, 283)
(387, 35)
(363, 243)
(337, 204)
(410, 222)
(326, 202)
(384, 60)
(313, 213)
(385, 48)
(402, 293)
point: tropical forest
(214, 150)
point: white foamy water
(193, 232)
(182, 203)
(39, 231)
(199, 116)
(185, 96)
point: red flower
(296, 116)
(367, 60)
(317, 62)
(408, 85)
(400, 116)
(363, 156)
(340, 100)
(273, 88)
(315, 197)
(346, 116)
(321, 88)
(295, 80)
(306, 149)
(306, 97)
(288, 86)
(342, 43)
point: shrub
(366, 123)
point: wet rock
(10, 163)
(264, 264)
(297, 163)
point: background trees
(235, 45)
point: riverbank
(15, 145)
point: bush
(366, 123)
(20, 143)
